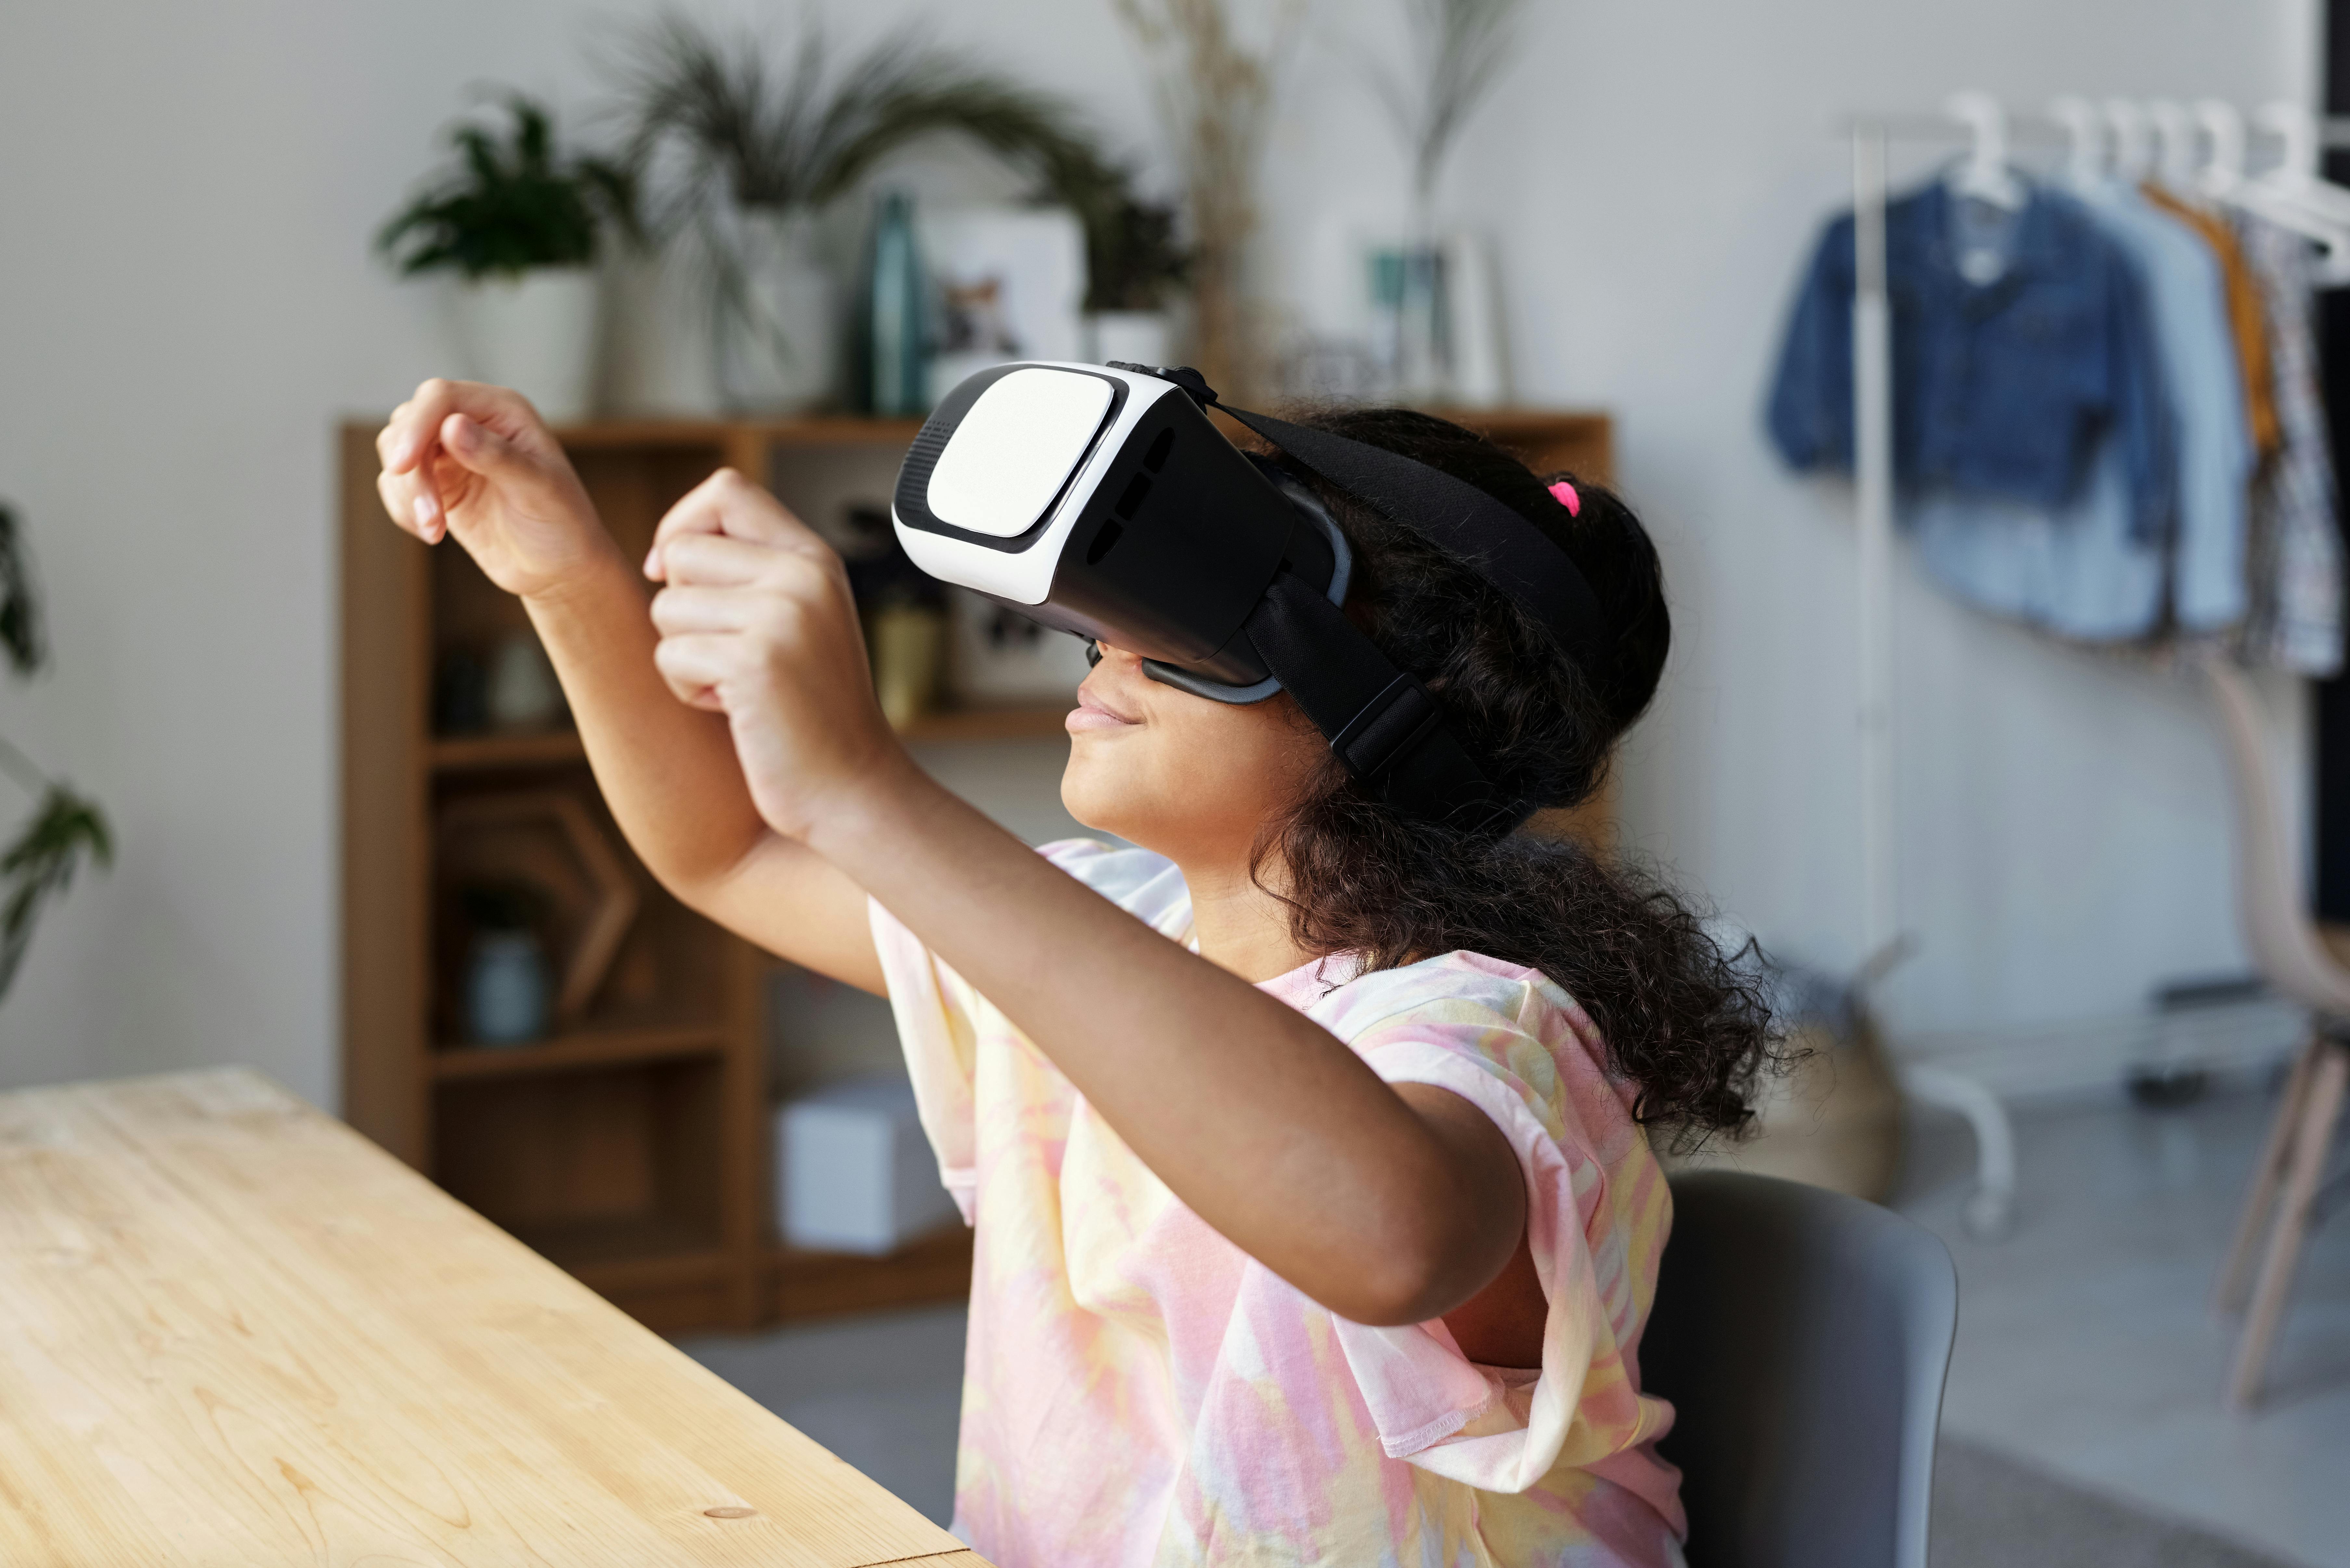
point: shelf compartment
(668, 973)
(636, 1252)
(932, 1270)
(577, 1052)
(607, 1166)
(476, 753)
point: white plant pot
(1130, 337)
(535, 333)
(661, 341)
(779, 326)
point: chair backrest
(2283, 943)
(1802, 1337)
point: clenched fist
(756, 622)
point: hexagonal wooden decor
(549, 838)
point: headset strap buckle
(1387, 727)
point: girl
(1316, 1217)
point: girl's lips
(1092, 714)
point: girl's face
(1179, 775)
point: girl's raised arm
(475, 462)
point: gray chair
(1802, 1337)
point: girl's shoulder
(1459, 988)
(1504, 1020)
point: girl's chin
(1098, 795)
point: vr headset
(1101, 500)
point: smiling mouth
(1091, 713)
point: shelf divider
(576, 1052)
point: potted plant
(1133, 265)
(65, 828)
(737, 147)
(517, 223)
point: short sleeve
(939, 1014)
(1597, 1210)
(936, 1028)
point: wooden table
(234, 1334)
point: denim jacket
(2001, 391)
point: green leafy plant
(65, 828)
(1133, 259)
(510, 204)
(723, 122)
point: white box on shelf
(854, 1171)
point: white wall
(187, 306)
(1657, 175)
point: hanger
(2295, 177)
(1983, 174)
(2293, 196)
(2223, 128)
(2174, 132)
(2084, 158)
(2133, 141)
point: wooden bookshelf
(631, 1145)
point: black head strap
(1384, 725)
(1481, 531)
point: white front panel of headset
(1026, 576)
(1015, 450)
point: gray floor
(2083, 1419)
(2087, 1345)
(881, 1392)
(1992, 1512)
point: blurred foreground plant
(40, 864)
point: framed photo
(1009, 283)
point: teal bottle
(894, 321)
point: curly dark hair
(1684, 1021)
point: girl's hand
(757, 623)
(477, 462)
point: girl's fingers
(399, 502)
(415, 428)
(411, 505)
(713, 560)
(684, 611)
(463, 425)
(693, 667)
(728, 505)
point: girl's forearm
(668, 772)
(1271, 1130)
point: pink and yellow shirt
(1138, 1391)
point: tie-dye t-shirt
(1138, 1391)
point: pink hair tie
(1568, 498)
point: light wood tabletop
(234, 1334)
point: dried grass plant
(1458, 48)
(1216, 95)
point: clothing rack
(1992, 1207)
